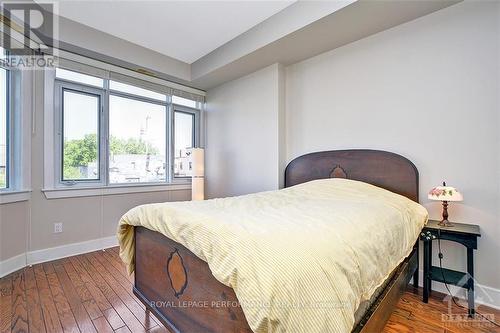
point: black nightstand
(465, 234)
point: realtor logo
(29, 33)
(462, 319)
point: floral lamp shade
(445, 193)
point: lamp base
(445, 223)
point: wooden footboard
(181, 291)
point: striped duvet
(300, 259)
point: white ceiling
(184, 30)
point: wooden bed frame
(179, 289)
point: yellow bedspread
(300, 259)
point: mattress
(307, 258)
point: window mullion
(170, 149)
(104, 146)
(8, 131)
(58, 140)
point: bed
(180, 289)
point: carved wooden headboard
(381, 168)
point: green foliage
(131, 146)
(78, 153)
(81, 152)
(72, 173)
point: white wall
(86, 40)
(14, 221)
(428, 90)
(242, 143)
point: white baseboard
(12, 264)
(53, 253)
(34, 257)
(483, 294)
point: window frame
(60, 88)
(167, 149)
(196, 128)
(18, 121)
(14, 131)
(8, 133)
(104, 154)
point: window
(13, 135)
(184, 101)
(184, 129)
(79, 77)
(3, 53)
(137, 141)
(4, 129)
(80, 114)
(114, 133)
(127, 88)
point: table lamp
(445, 194)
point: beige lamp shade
(197, 162)
(197, 171)
(445, 193)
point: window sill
(14, 196)
(72, 192)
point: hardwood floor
(412, 315)
(92, 293)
